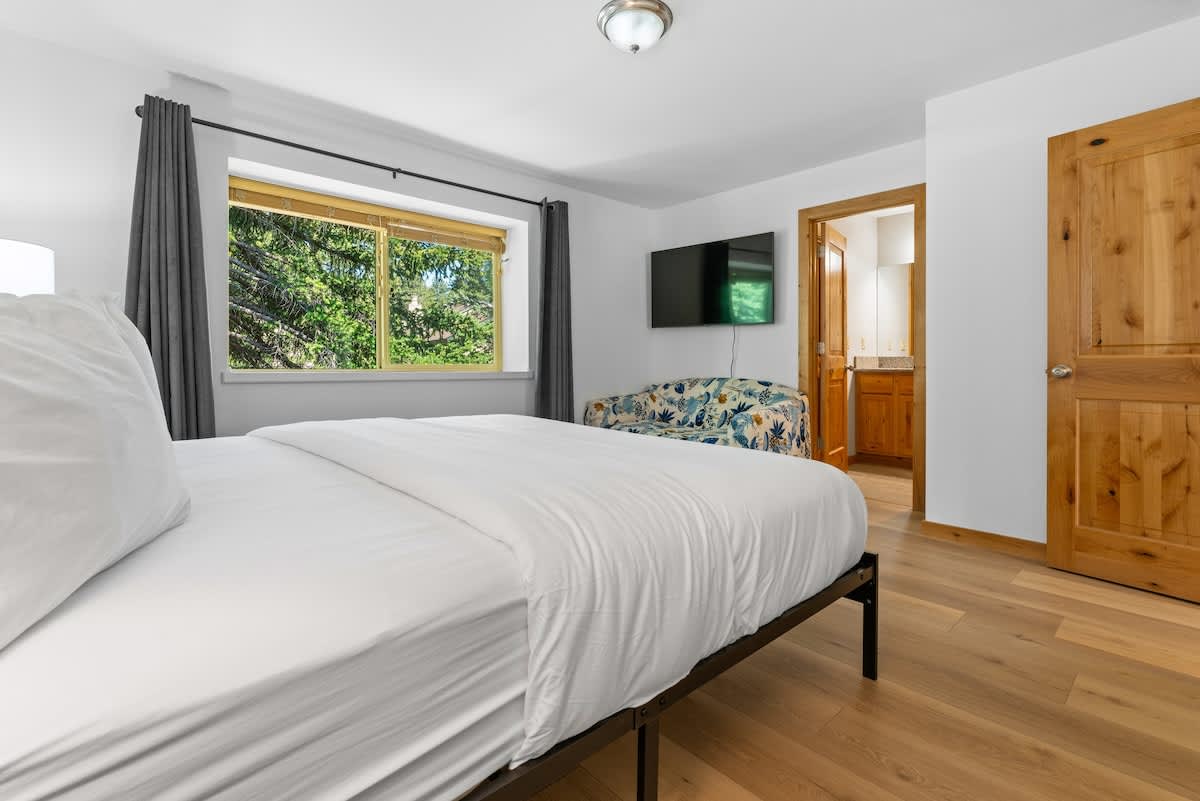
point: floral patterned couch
(720, 411)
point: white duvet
(638, 556)
(306, 634)
(323, 627)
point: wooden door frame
(809, 280)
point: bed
(421, 609)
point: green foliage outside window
(301, 292)
(440, 309)
(302, 295)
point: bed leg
(647, 761)
(870, 638)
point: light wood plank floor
(886, 483)
(999, 679)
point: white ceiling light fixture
(634, 25)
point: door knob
(1060, 371)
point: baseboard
(1014, 546)
(890, 461)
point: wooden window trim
(421, 227)
(386, 222)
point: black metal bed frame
(860, 583)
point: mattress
(307, 633)
(397, 609)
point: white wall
(768, 352)
(68, 158)
(896, 238)
(68, 147)
(986, 281)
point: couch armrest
(608, 412)
(780, 427)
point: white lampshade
(635, 25)
(26, 269)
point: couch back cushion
(680, 403)
(711, 402)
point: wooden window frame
(385, 222)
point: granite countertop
(883, 364)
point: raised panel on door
(1142, 260)
(1123, 499)
(837, 426)
(1140, 469)
(874, 424)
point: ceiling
(738, 91)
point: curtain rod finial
(137, 110)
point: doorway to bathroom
(862, 339)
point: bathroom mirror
(893, 310)
(879, 254)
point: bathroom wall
(879, 252)
(861, 249)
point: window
(320, 282)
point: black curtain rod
(393, 170)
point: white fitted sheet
(307, 633)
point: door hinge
(820, 348)
(820, 445)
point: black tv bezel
(650, 293)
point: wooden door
(1124, 380)
(834, 429)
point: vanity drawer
(904, 384)
(874, 383)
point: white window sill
(361, 376)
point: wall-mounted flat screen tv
(731, 282)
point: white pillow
(134, 340)
(87, 469)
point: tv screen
(731, 282)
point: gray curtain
(555, 376)
(165, 293)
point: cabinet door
(875, 431)
(904, 425)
